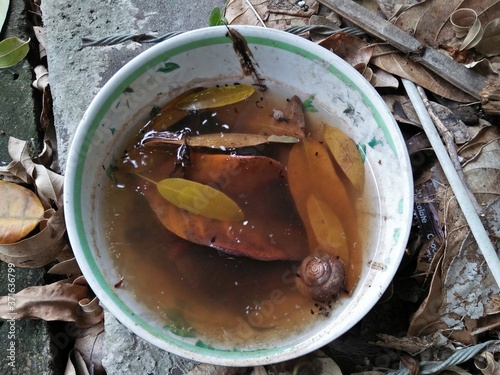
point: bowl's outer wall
(206, 56)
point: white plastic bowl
(206, 57)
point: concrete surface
(32, 351)
(76, 75)
(17, 114)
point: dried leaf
(12, 51)
(215, 97)
(456, 126)
(352, 49)
(327, 228)
(463, 290)
(425, 20)
(49, 185)
(311, 172)
(400, 66)
(490, 43)
(347, 156)
(277, 14)
(473, 37)
(56, 301)
(222, 141)
(90, 344)
(66, 267)
(20, 212)
(199, 199)
(41, 248)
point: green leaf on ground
(216, 18)
(12, 51)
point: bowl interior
(289, 64)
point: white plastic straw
(472, 217)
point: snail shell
(321, 277)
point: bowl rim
(101, 103)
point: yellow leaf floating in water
(327, 228)
(214, 97)
(199, 199)
(347, 156)
(20, 212)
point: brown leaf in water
(169, 114)
(221, 141)
(63, 300)
(311, 172)
(346, 155)
(20, 212)
(257, 184)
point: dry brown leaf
(352, 49)
(400, 66)
(490, 42)
(48, 184)
(90, 343)
(402, 109)
(41, 248)
(463, 290)
(57, 301)
(20, 212)
(429, 21)
(66, 267)
(275, 14)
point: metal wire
(458, 357)
(323, 30)
(121, 38)
(148, 38)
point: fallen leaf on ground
(63, 300)
(463, 290)
(48, 184)
(400, 66)
(270, 13)
(20, 212)
(12, 51)
(41, 248)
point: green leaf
(308, 106)
(12, 51)
(199, 199)
(215, 17)
(214, 97)
(4, 8)
(168, 67)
